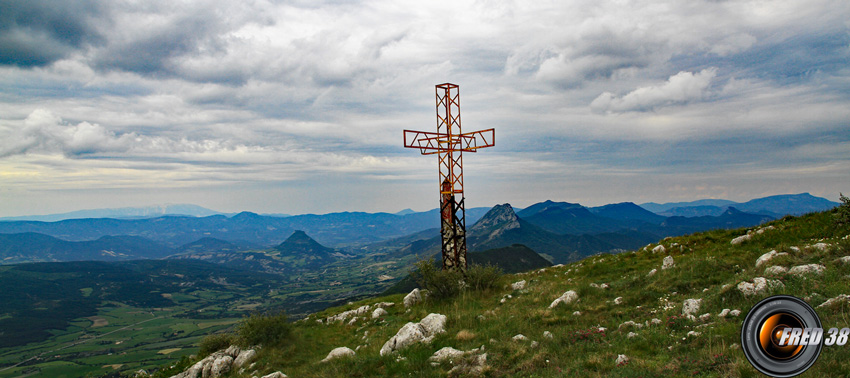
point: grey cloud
(39, 32)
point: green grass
(707, 267)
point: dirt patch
(97, 321)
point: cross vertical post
(449, 143)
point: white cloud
(680, 88)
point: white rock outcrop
(765, 258)
(243, 358)
(668, 263)
(379, 312)
(618, 300)
(221, 366)
(775, 270)
(360, 311)
(741, 239)
(413, 298)
(659, 249)
(519, 337)
(566, 298)
(519, 285)
(447, 354)
(838, 299)
(412, 333)
(652, 272)
(758, 286)
(802, 270)
(821, 246)
(844, 260)
(691, 306)
(276, 374)
(214, 365)
(339, 352)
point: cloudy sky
(299, 106)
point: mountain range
(775, 206)
(560, 231)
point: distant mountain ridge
(122, 213)
(776, 206)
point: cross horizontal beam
(430, 143)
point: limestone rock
(567, 298)
(339, 352)
(379, 312)
(758, 286)
(518, 285)
(723, 313)
(244, 357)
(413, 298)
(447, 354)
(802, 270)
(519, 337)
(741, 239)
(412, 333)
(838, 299)
(409, 334)
(221, 366)
(844, 260)
(276, 374)
(618, 300)
(659, 249)
(547, 335)
(765, 258)
(735, 313)
(434, 324)
(775, 270)
(668, 263)
(232, 351)
(821, 246)
(691, 306)
(652, 272)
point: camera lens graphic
(770, 336)
(762, 331)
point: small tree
(441, 284)
(269, 330)
(842, 212)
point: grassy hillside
(707, 267)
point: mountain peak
(500, 217)
(546, 205)
(300, 243)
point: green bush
(482, 277)
(269, 330)
(842, 212)
(443, 284)
(215, 342)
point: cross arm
(431, 143)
